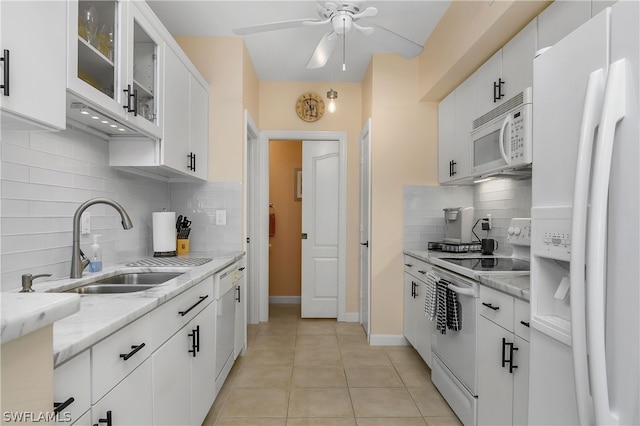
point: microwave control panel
(517, 136)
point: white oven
(501, 139)
(454, 353)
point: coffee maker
(458, 224)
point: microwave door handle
(501, 140)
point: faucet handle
(27, 280)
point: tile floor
(321, 372)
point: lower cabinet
(129, 403)
(503, 359)
(203, 389)
(417, 327)
(240, 341)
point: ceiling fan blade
(368, 12)
(323, 51)
(394, 42)
(273, 26)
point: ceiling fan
(343, 16)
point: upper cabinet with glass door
(113, 65)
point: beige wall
(285, 250)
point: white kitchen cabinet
(72, 389)
(225, 335)
(113, 63)
(33, 48)
(456, 114)
(203, 389)
(240, 340)
(185, 136)
(559, 19)
(503, 359)
(508, 72)
(417, 327)
(129, 403)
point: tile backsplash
(504, 199)
(47, 175)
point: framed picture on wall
(297, 184)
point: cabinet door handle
(194, 162)
(5, 82)
(242, 268)
(135, 103)
(504, 352)
(183, 313)
(511, 366)
(238, 294)
(135, 349)
(423, 272)
(490, 306)
(497, 90)
(452, 168)
(195, 341)
(408, 265)
(525, 323)
(59, 406)
(107, 420)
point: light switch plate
(85, 223)
(221, 217)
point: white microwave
(501, 139)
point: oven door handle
(462, 291)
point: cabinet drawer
(73, 380)
(522, 318)
(169, 317)
(416, 267)
(118, 355)
(497, 307)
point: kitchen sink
(128, 282)
(139, 278)
(108, 288)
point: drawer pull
(241, 269)
(408, 265)
(132, 353)
(423, 272)
(525, 323)
(490, 306)
(183, 313)
(59, 406)
(107, 420)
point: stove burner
(490, 264)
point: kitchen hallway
(323, 372)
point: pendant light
(332, 95)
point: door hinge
(248, 240)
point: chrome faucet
(78, 260)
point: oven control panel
(519, 231)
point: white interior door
(365, 225)
(320, 228)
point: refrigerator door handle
(590, 120)
(501, 140)
(614, 110)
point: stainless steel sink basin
(128, 282)
(108, 288)
(139, 278)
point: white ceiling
(282, 55)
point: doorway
(258, 191)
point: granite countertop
(101, 315)
(23, 313)
(513, 284)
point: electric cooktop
(490, 264)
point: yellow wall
(285, 250)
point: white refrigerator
(585, 256)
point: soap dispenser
(95, 258)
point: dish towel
(441, 306)
(430, 300)
(453, 317)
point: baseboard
(351, 317)
(387, 340)
(293, 300)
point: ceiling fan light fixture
(332, 95)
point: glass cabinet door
(145, 75)
(97, 45)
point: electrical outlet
(221, 217)
(85, 222)
(489, 220)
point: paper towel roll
(164, 231)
